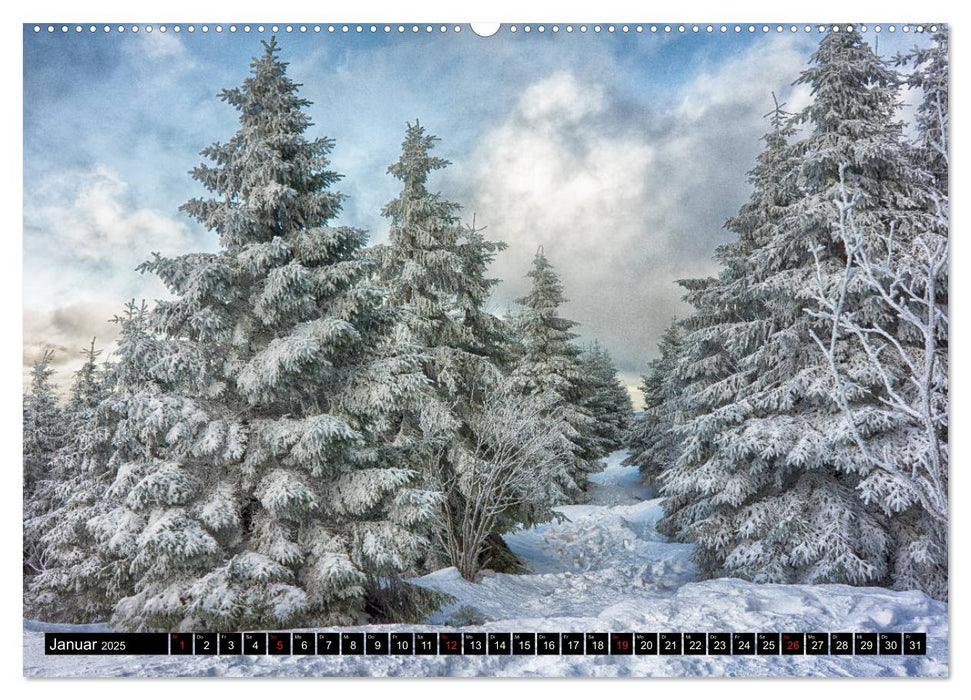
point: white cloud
(87, 217)
(561, 97)
(159, 47)
(562, 185)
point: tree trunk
(497, 556)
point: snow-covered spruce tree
(262, 499)
(606, 399)
(550, 363)
(705, 359)
(486, 334)
(783, 500)
(908, 274)
(434, 271)
(931, 75)
(84, 575)
(856, 152)
(653, 443)
(88, 380)
(44, 434)
(770, 475)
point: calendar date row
(490, 643)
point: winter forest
(311, 425)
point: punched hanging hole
(485, 29)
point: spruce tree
(83, 574)
(652, 441)
(912, 486)
(930, 75)
(260, 497)
(705, 360)
(769, 476)
(864, 198)
(434, 270)
(550, 364)
(434, 273)
(44, 434)
(606, 400)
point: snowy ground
(603, 567)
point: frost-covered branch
(907, 359)
(513, 455)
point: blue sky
(622, 154)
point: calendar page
(543, 349)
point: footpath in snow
(602, 567)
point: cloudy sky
(621, 154)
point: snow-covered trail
(602, 567)
(601, 554)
